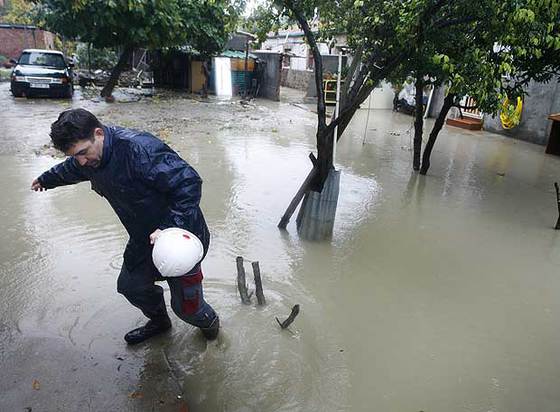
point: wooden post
(241, 284)
(557, 227)
(288, 322)
(258, 284)
(300, 193)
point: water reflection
(436, 292)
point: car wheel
(70, 92)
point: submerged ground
(436, 293)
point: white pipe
(337, 102)
(367, 118)
(429, 103)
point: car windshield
(42, 59)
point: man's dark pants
(187, 299)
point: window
(42, 59)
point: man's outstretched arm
(62, 174)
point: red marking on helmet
(186, 236)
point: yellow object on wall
(239, 64)
(509, 116)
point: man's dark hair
(72, 126)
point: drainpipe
(245, 72)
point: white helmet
(176, 251)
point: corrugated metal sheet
(239, 82)
(317, 213)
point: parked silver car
(42, 72)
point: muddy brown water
(437, 293)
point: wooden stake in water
(557, 227)
(258, 284)
(241, 283)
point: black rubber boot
(147, 331)
(211, 332)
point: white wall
(380, 98)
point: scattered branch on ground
(290, 319)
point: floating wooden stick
(241, 284)
(258, 284)
(557, 227)
(288, 322)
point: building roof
(234, 54)
(17, 26)
(246, 34)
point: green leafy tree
(203, 25)
(17, 12)
(519, 42)
(384, 37)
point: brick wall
(13, 40)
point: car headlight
(19, 78)
(57, 81)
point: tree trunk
(324, 140)
(438, 125)
(89, 57)
(116, 72)
(418, 122)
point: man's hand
(36, 186)
(154, 236)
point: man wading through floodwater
(150, 189)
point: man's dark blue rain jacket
(148, 185)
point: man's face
(88, 152)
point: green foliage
(18, 12)
(486, 49)
(264, 19)
(203, 25)
(103, 59)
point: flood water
(436, 293)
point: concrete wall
(296, 79)
(380, 98)
(542, 100)
(270, 81)
(14, 39)
(437, 101)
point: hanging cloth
(509, 115)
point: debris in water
(501, 174)
(36, 385)
(288, 322)
(136, 395)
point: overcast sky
(251, 4)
